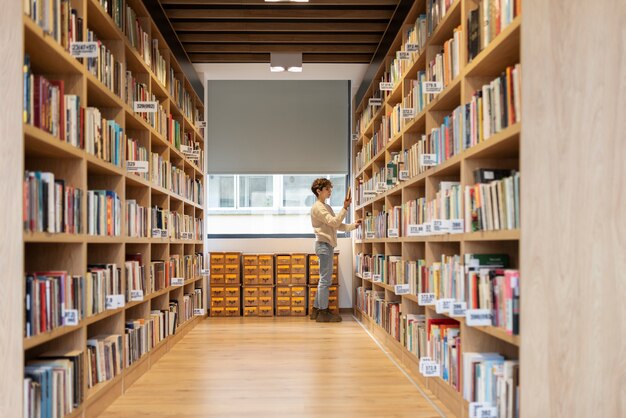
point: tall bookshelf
(75, 252)
(500, 150)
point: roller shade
(278, 127)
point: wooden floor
(274, 367)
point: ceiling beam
(317, 48)
(255, 58)
(279, 27)
(295, 14)
(353, 38)
(261, 2)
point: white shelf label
(367, 275)
(178, 281)
(137, 166)
(198, 311)
(370, 235)
(355, 137)
(369, 193)
(114, 301)
(408, 113)
(70, 317)
(146, 107)
(428, 228)
(403, 175)
(163, 233)
(428, 160)
(478, 317)
(156, 233)
(413, 230)
(412, 47)
(487, 412)
(136, 295)
(205, 272)
(378, 278)
(186, 149)
(403, 55)
(442, 306)
(441, 226)
(385, 86)
(432, 87)
(402, 289)
(375, 101)
(381, 186)
(201, 124)
(457, 309)
(84, 49)
(422, 361)
(426, 299)
(393, 233)
(474, 407)
(457, 226)
(430, 369)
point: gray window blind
(278, 127)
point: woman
(326, 224)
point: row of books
(103, 138)
(53, 384)
(106, 67)
(58, 19)
(50, 205)
(104, 358)
(445, 66)
(487, 21)
(176, 180)
(104, 213)
(495, 205)
(138, 37)
(436, 10)
(137, 153)
(159, 64)
(182, 98)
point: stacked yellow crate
(225, 284)
(258, 285)
(291, 284)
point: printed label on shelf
(403, 55)
(367, 275)
(428, 228)
(375, 101)
(413, 230)
(432, 87)
(422, 361)
(114, 301)
(163, 233)
(412, 47)
(146, 107)
(137, 166)
(457, 226)
(201, 124)
(178, 281)
(487, 412)
(136, 295)
(428, 160)
(457, 309)
(403, 175)
(198, 311)
(430, 369)
(441, 226)
(186, 149)
(402, 289)
(156, 233)
(381, 186)
(408, 113)
(369, 193)
(84, 49)
(355, 137)
(70, 317)
(442, 306)
(205, 272)
(377, 278)
(370, 235)
(385, 86)
(478, 317)
(474, 407)
(393, 233)
(426, 299)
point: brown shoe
(314, 313)
(324, 315)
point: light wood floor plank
(273, 367)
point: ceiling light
(292, 61)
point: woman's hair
(319, 184)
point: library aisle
(274, 367)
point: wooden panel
(352, 38)
(278, 26)
(248, 48)
(279, 13)
(573, 200)
(318, 58)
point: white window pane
(297, 191)
(339, 191)
(221, 191)
(256, 192)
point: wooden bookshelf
(74, 252)
(501, 149)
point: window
(265, 204)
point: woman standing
(326, 224)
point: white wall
(294, 245)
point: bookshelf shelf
(47, 153)
(440, 118)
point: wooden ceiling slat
(354, 38)
(318, 48)
(279, 26)
(306, 58)
(258, 2)
(295, 14)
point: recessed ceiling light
(292, 61)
